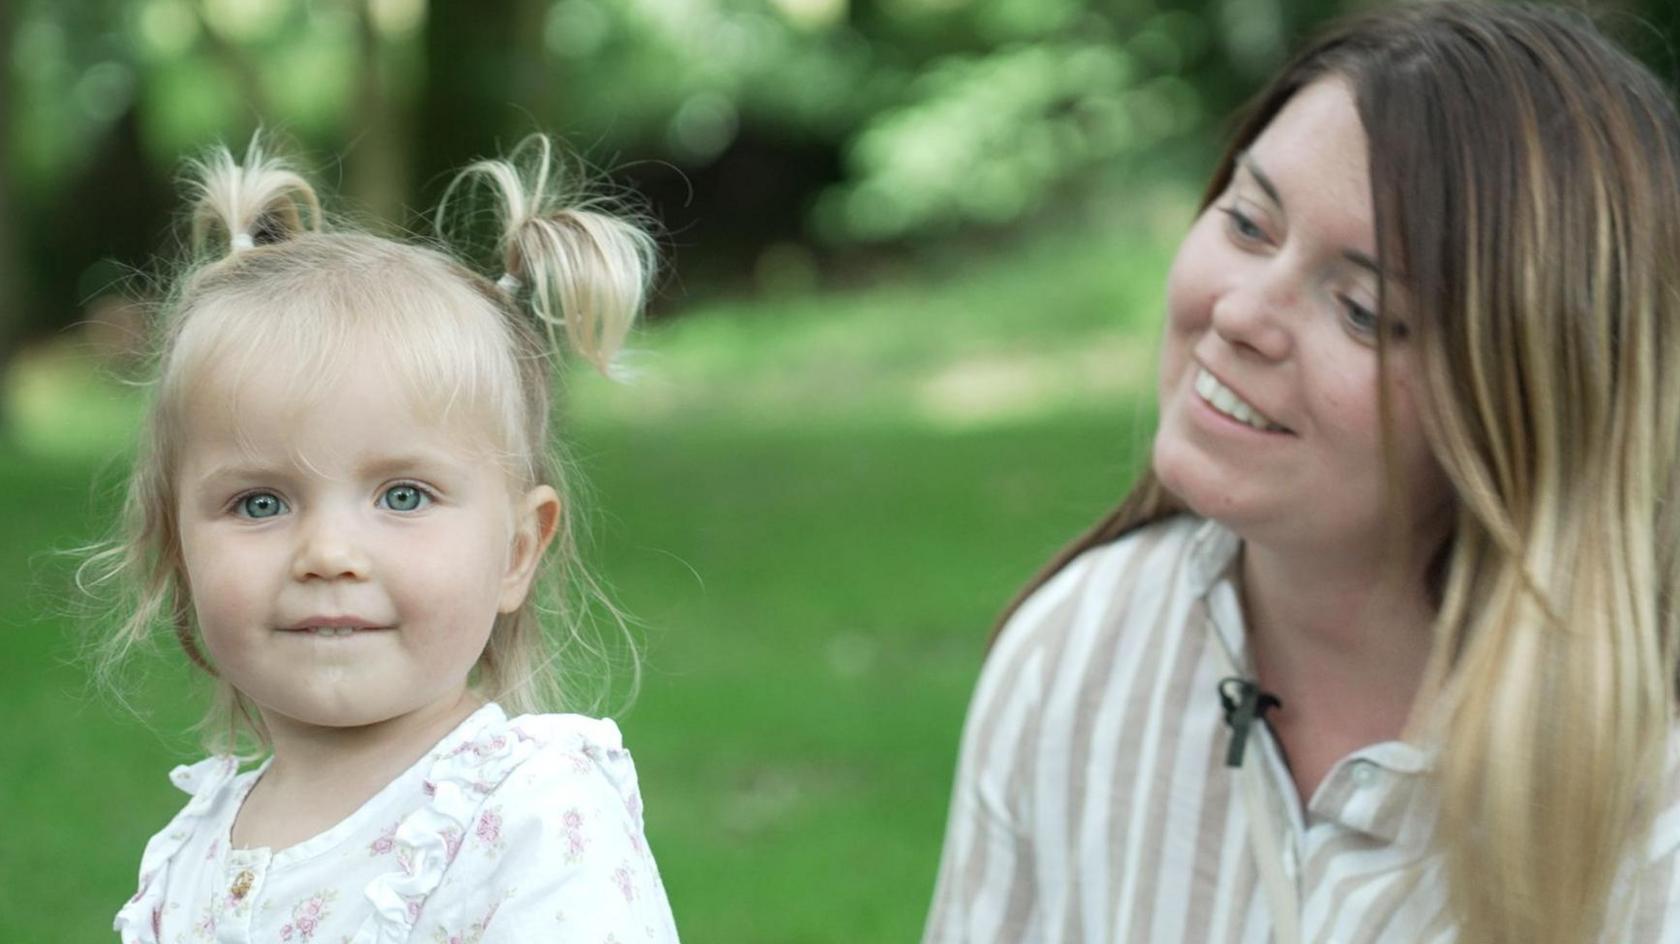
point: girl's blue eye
(404, 498)
(260, 505)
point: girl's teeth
(332, 630)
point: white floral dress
(519, 830)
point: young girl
(343, 499)
(1382, 648)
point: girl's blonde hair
(271, 283)
(1525, 175)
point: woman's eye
(1365, 322)
(1242, 225)
(259, 505)
(404, 498)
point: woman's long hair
(1525, 178)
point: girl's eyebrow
(384, 465)
(235, 473)
(408, 462)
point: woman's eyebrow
(1360, 259)
(1364, 261)
(1249, 164)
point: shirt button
(241, 884)
(1364, 773)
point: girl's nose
(1250, 315)
(328, 551)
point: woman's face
(1268, 388)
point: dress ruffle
(138, 921)
(464, 772)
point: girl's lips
(331, 632)
(331, 622)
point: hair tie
(509, 283)
(243, 241)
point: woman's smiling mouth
(1226, 401)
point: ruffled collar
(461, 771)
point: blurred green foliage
(764, 133)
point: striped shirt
(1093, 804)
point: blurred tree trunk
(13, 292)
(239, 67)
(486, 83)
(467, 89)
(378, 169)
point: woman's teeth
(330, 630)
(1222, 399)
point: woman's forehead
(1313, 157)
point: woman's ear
(536, 519)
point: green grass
(814, 506)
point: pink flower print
(634, 805)
(479, 748)
(451, 843)
(215, 848)
(414, 902)
(621, 878)
(157, 921)
(428, 788)
(635, 838)
(307, 916)
(489, 826)
(386, 843)
(575, 841)
(580, 763)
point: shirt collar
(1213, 549)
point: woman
(1383, 646)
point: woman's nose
(328, 550)
(1251, 314)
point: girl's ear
(535, 521)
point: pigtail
(255, 203)
(585, 272)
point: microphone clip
(1245, 702)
